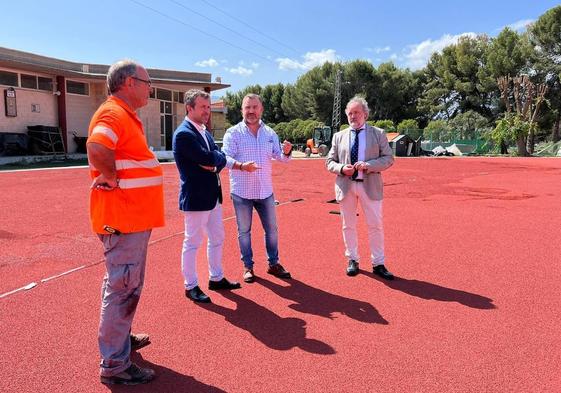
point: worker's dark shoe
(139, 340)
(197, 295)
(133, 375)
(352, 269)
(223, 284)
(381, 271)
(278, 271)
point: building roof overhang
(10, 58)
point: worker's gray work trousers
(125, 261)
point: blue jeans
(244, 213)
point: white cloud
(240, 71)
(254, 65)
(207, 63)
(311, 60)
(520, 25)
(419, 54)
(378, 50)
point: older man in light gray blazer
(358, 154)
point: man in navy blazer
(199, 161)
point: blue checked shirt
(241, 145)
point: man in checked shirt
(250, 147)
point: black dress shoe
(381, 271)
(197, 295)
(352, 269)
(223, 284)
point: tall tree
(311, 97)
(456, 80)
(395, 93)
(293, 103)
(545, 34)
(359, 78)
(233, 102)
(276, 114)
(527, 101)
(509, 54)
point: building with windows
(218, 119)
(39, 90)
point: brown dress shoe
(139, 340)
(248, 275)
(278, 271)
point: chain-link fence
(467, 141)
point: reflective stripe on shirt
(133, 164)
(141, 182)
(108, 132)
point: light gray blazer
(378, 154)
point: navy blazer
(200, 188)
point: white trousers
(372, 211)
(197, 224)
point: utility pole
(336, 119)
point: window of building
(45, 83)
(28, 81)
(178, 97)
(8, 78)
(163, 94)
(165, 107)
(75, 87)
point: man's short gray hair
(253, 96)
(119, 72)
(361, 101)
(191, 96)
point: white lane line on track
(63, 273)
(25, 288)
(34, 284)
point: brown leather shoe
(248, 275)
(278, 271)
(139, 340)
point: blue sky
(248, 42)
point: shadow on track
(426, 290)
(166, 380)
(315, 301)
(272, 330)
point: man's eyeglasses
(148, 82)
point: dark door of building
(166, 124)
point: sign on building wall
(10, 102)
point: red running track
(476, 307)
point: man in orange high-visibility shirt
(126, 202)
